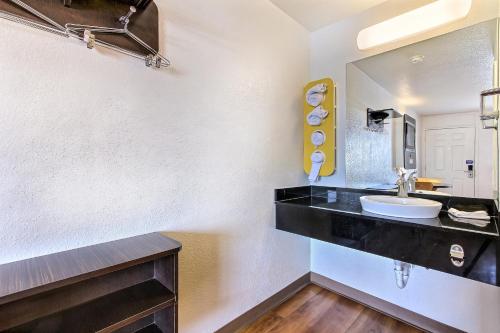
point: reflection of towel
(470, 208)
(476, 215)
(477, 223)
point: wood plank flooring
(316, 310)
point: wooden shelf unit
(124, 286)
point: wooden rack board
(104, 13)
(123, 286)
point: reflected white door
(447, 152)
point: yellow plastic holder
(327, 126)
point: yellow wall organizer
(319, 128)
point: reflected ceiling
(441, 75)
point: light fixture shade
(413, 22)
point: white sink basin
(411, 208)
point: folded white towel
(318, 89)
(316, 95)
(479, 215)
(477, 223)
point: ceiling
(315, 14)
(456, 68)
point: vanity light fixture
(413, 22)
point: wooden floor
(316, 310)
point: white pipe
(402, 273)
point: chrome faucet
(412, 181)
(402, 183)
(406, 182)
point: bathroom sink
(412, 208)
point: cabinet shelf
(108, 313)
(150, 329)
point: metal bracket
(457, 255)
(125, 20)
(89, 38)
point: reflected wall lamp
(419, 20)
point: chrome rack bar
(76, 31)
(21, 20)
(490, 115)
(37, 13)
(119, 49)
(89, 32)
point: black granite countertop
(335, 215)
(347, 201)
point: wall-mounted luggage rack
(103, 23)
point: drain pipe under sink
(402, 273)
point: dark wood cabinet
(129, 285)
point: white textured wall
(95, 147)
(370, 159)
(430, 293)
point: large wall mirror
(418, 107)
